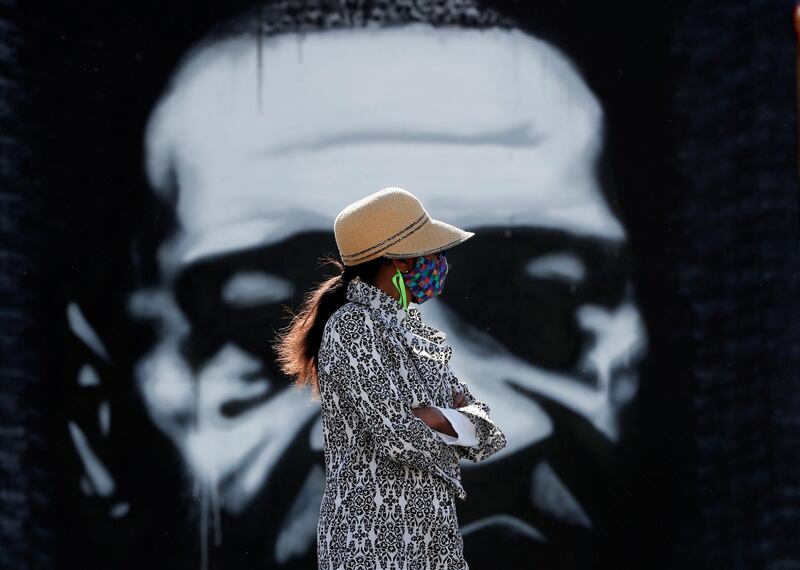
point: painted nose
(620, 340)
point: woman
(395, 419)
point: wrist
(445, 426)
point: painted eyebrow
(562, 265)
(247, 288)
(516, 136)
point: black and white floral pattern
(391, 481)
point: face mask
(425, 281)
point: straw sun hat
(392, 223)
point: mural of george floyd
(629, 307)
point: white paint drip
(104, 417)
(84, 331)
(99, 478)
(87, 376)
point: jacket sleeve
(462, 425)
(373, 387)
(491, 438)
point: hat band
(409, 230)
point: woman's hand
(435, 419)
(459, 400)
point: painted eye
(562, 266)
(246, 289)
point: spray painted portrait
(267, 128)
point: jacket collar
(409, 324)
(378, 300)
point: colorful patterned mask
(426, 280)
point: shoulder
(349, 339)
(349, 320)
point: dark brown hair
(298, 343)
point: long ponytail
(298, 343)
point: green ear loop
(400, 285)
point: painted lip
(235, 407)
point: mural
(260, 136)
(629, 307)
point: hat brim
(432, 237)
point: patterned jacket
(376, 363)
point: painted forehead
(489, 126)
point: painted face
(263, 146)
(255, 175)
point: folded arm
(373, 387)
(490, 438)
